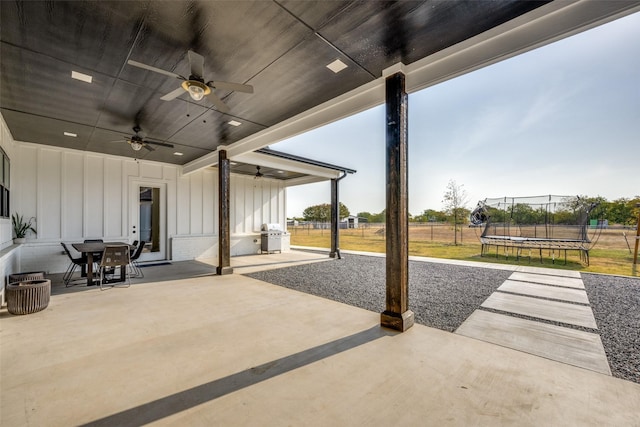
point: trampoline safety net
(554, 223)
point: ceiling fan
(259, 174)
(195, 85)
(137, 142)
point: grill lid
(271, 227)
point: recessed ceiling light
(70, 134)
(234, 123)
(177, 153)
(280, 171)
(337, 66)
(82, 77)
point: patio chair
(80, 261)
(135, 267)
(114, 257)
(96, 255)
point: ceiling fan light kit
(197, 90)
(137, 142)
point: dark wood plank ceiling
(280, 47)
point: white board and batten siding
(76, 195)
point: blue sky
(563, 119)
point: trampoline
(527, 225)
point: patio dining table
(89, 249)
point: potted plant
(20, 227)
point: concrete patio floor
(185, 347)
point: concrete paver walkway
(564, 345)
(539, 295)
(539, 290)
(547, 279)
(543, 309)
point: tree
(522, 213)
(379, 217)
(455, 199)
(322, 213)
(365, 215)
(373, 218)
(622, 211)
(431, 215)
(574, 209)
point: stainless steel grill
(271, 238)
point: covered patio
(198, 341)
(168, 351)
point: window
(4, 184)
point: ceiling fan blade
(154, 69)
(197, 64)
(145, 145)
(220, 106)
(139, 118)
(162, 144)
(237, 87)
(173, 94)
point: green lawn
(602, 260)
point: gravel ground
(615, 302)
(440, 295)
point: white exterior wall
(252, 203)
(9, 253)
(76, 195)
(9, 146)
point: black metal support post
(335, 217)
(397, 314)
(224, 240)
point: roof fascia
(265, 160)
(302, 181)
(300, 159)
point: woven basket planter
(30, 275)
(28, 296)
